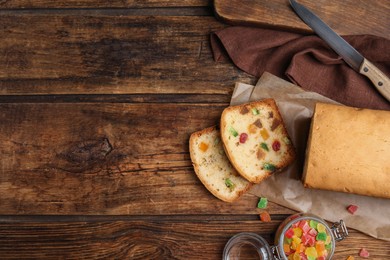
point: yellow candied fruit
(203, 146)
(290, 257)
(264, 133)
(350, 258)
(328, 240)
(323, 253)
(297, 232)
(297, 240)
(321, 228)
(252, 129)
(294, 245)
(296, 256)
(311, 251)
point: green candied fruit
(264, 146)
(255, 111)
(321, 236)
(262, 203)
(269, 167)
(328, 246)
(311, 258)
(287, 240)
(229, 184)
(313, 224)
(233, 131)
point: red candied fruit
(364, 253)
(289, 233)
(352, 209)
(243, 137)
(276, 145)
(304, 226)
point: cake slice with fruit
(213, 167)
(255, 139)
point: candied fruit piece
(296, 256)
(328, 240)
(364, 253)
(286, 248)
(289, 233)
(311, 251)
(304, 226)
(298, 231)
(264, 133)
(321, 227)
(203, 146)
(262, 204)
(308, 240)
(300, 248)
(321, 236)
(352, 209)
(313, 232)
(243, 137)
(252, 129)
(313, 224)
(265, 216)
(297, 240)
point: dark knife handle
(378, 78)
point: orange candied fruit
(265, 216)
(203, 146)
(300, 248)
(264, 133)
(286, 248)
(252, 129)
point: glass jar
(295, 233)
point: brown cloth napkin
(307, 61)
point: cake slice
(255, 139)
(213, 167)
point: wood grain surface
(6, 4)
(97, 103)
(77, 158)
(105, 54)
(162, 238)
(347, 17)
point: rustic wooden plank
(114, 98)
(161, 238)
(346, 17)
(98, 54)
(105, 158)
(5, 4)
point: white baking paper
(285, 188)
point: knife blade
(351, 56)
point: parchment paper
(285, 188)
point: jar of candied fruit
(300, 236)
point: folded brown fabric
(307, 61)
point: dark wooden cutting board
(345, 17)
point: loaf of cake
(255, 139)
(348, 150)
(213, 167)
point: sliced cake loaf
(213, 167)
(255, 139)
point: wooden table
(98, 99)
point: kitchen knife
(351, 56)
